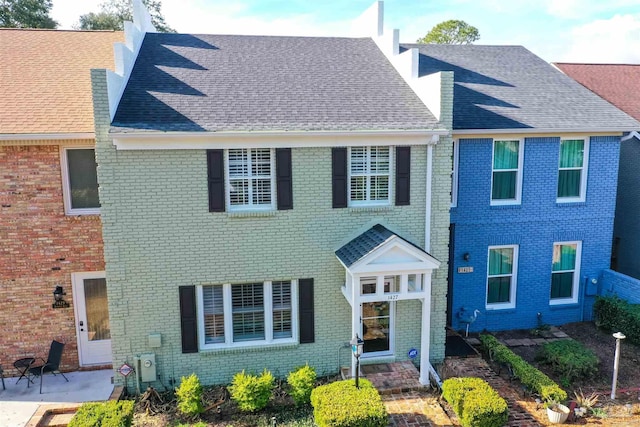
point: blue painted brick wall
(621, 285)
(534, 225)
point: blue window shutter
(188, 319)
(403, 176)
(339, 176)
(284, 178)
(215, 175)
(305, 311)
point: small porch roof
(375, 239)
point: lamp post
(356, 348)
(619, 336)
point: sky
(591, 31)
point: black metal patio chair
(51, 365)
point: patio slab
(18, 403)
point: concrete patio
(18, 403)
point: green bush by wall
(475, 402)
(617, 315)
(113, 413)
(341, 404)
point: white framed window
(251, 183)
(454, 174)
(79, 181)
(506, 172)
(369, 176)
(248, 314)
(572, 170)
(502, 274)
(565, 272)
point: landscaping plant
(614, 314)
(189, 395)
(301, 382)
(252, 392)
(475, 402)
(112, 413)
(528, 375)
(341, 404)
(570, 359)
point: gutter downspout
(427, 214)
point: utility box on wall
(148, 367)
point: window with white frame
(251, 179)
(247, 314)
(80, 181)
(565, 272)
(502, 276)
(369, 176)
(572, 170)
(506, 177)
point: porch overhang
(381, 266)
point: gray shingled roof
(366, 243)
(508, 87)
(187, 82)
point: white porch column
(425, 339)
(355, 317)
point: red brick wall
(39, 248)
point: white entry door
(92, 318)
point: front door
(92, 318)
(377, 328)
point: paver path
(415, 408)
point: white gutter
(260, 134)
(540, 130)
(45, 136)
(633, 134)
(427, 225)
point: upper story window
(502, 276)
(506, 179)
(572, 170)
(251, 179)
(80, 181)
(565, 274)
(248, 314)
(369, 176)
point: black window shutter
(284, 182)
(339, 176)
(188, 319)
(215, 174)
(403, 176)
(305, 311)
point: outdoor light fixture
(356, 348)
(466, 256)
(58, 298)
(619, 336)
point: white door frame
(392, 332)
(79, 309)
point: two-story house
(534, 188)
(50, 230)
(620, 85)
(267, 199)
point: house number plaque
(465, 269)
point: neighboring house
(266, 199)
(50, 230)
(620, 85)
(534, 187)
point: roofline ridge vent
(125, 54)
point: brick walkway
(415, 408)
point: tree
(113, 13)
(451, 32)
(26, 14)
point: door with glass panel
(377, 322)
(92, 318)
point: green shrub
(614, 314)
(569, 359)
(475, 402)
(189, 395)
(529, 376)
(301, 382)
(252, 392)
(341, 404)
(113, 413)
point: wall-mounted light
(58, 298)
(466, 256)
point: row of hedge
(475, 402)
(529, 376)
(614, 314)
(341, 404)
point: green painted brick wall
(159, 235)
